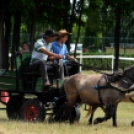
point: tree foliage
(97, 17)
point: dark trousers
(75, 67)
(41, 66)
(59, 70)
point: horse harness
(130, 79)
(98, 87)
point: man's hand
(60, 56)
(74, 59)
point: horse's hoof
(89, 124)
(132, 123)
(71, 123)
(96, 121)
(115, 125)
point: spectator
(24, 48)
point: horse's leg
(114, 117)
(92, 115)
(109, 113)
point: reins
(90, 68)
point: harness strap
(99, 94)
(98, 87)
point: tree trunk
(117, 36)
(7, 37)
(66, 20)
(16, 35)
(79, 26)
(2, 34)
(32, 31)
(71, 22)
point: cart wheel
(76, 113)
(13, 106)
(62, 115)
(32, 111)
(50, 120)
(131, 99)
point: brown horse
(96, 91)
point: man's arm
(51, 54)
(71, 58)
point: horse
(96, 91)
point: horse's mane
(128, 69)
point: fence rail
(112, 57)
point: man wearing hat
(42, 52)
(59, 47)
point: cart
(21, 93)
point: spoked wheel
(62, 114)
(13, 106)
(50, 119)
(32, 111)
(77, 113)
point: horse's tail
(89, 111)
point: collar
(43, 40)
(57, 43)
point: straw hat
(63, 32)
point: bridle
(129, 79)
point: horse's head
(129, 71)
(128, 75)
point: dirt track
(126, 99)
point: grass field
(124, 117)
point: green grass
(124, 117)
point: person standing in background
(24, 48)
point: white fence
(103, 57)
(81, 56)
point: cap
(49, 33)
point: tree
(3, 53)
(93, 21)
(120, 8)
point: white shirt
(37, 54)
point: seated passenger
(41, 53)
(24, 48)
(59, 47)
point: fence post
(112, 63)
(80, 61)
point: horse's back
(80, 80)
(84, 87)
